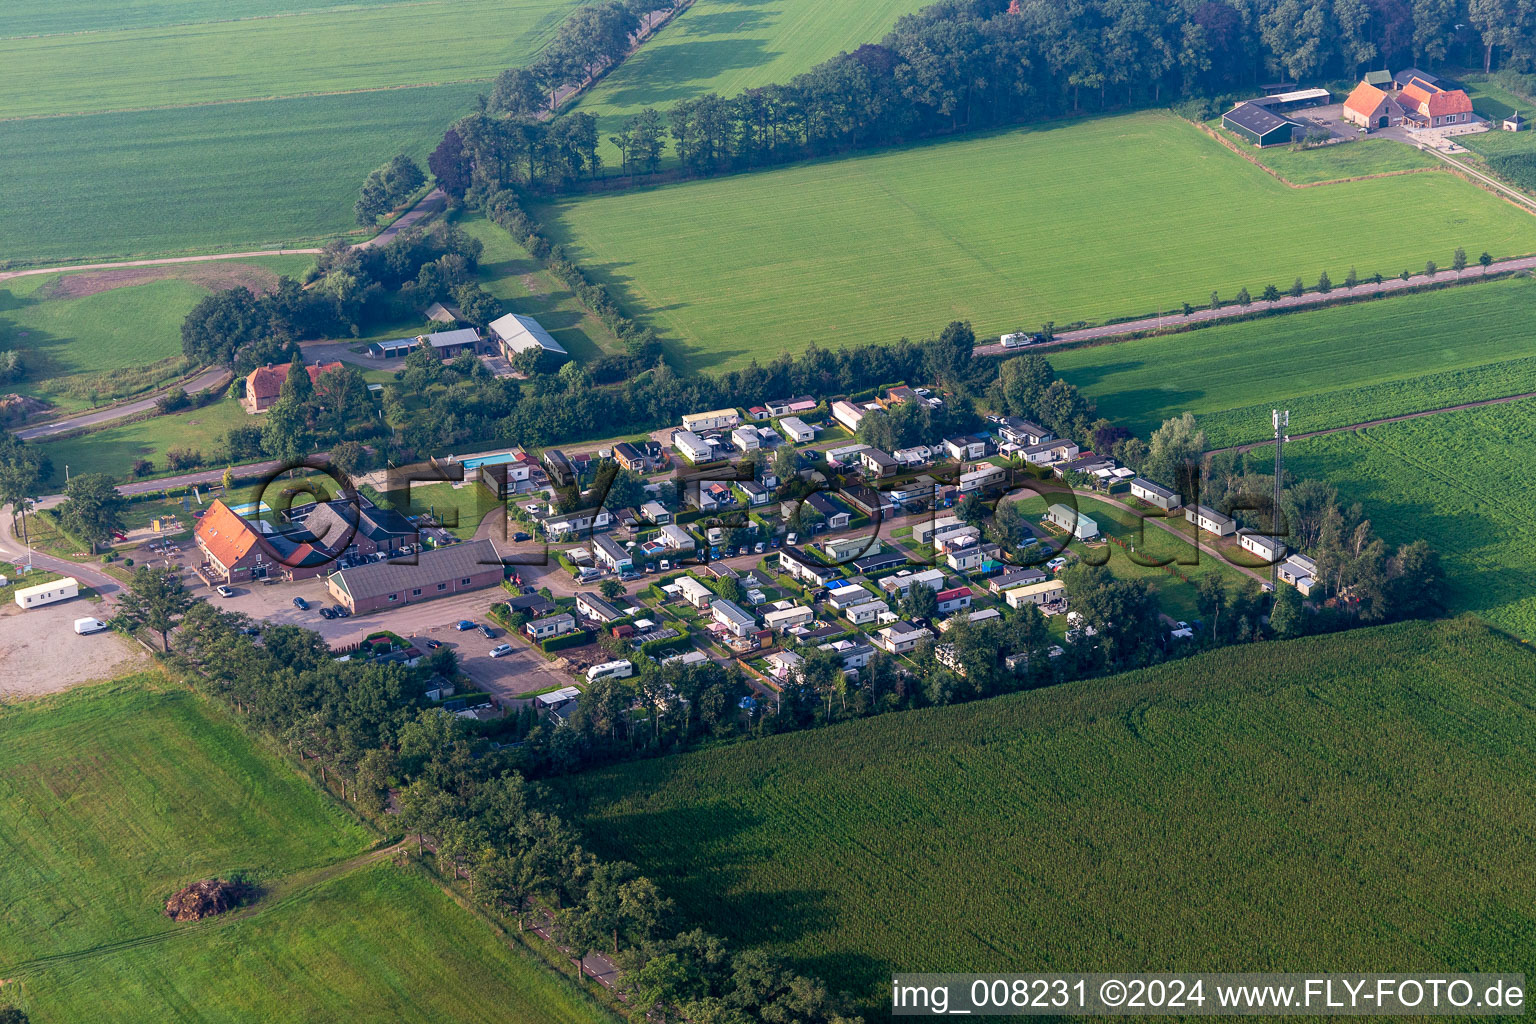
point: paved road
(1178, 321)
(212, 377)
(14, 551)
(1519, 197)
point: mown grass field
(1462, 481)
(112, 797)
(113, 450)
(1083, 221)
(44, 17)
(1330, 367)
(75, 329)
(730, 46)
(214, 178)
(1343, 160)
(511, 274)
(115, 796)
(211, 59)
(1382, 771)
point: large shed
(1259, 126)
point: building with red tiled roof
(1370, 107)
(232, 550)
(264, 384)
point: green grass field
(112, 797)
(1344, 160)
(117, 795)
(511, 274)
(113, 450)
(335, 49)
(1462, 481)
(730, 46)
(43, 17)
(1383, 771)
(1330, 367)
(92, 186)
(76, 329)
(1084, 221)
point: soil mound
(207, 898)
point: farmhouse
(264, 384)
(1154, 494)
(1427, 105)
(436, 573)
(1260, 126)
(692, 447)
(515, 333)
(1072, 521)
(796, 430)
(715, 419)
(1051, 592)
(1370, 107)
(1211, 521)
(732, 617)
(231, 548)
(557, 624)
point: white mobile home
(715, 419)
(1073, 521)
(796, 430)
(692, 447)
(47, 593)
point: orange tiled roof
(1417, 95)
(226, 536)
(1453, 101)
(265, 383)
(1365, 99)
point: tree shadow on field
(674, 72)
(1087, 376)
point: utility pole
(1282, 420)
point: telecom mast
(1282, 420)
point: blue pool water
(486, 460)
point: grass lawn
(1330, 367)
(213, 59)
(1381, 770)
(1462, 481)
(116, 185)
(118, 795)
(730, 46)
(1060, 223)
(460, 509)
(377, 944)
(113, 450)
(1342, 160)
(79, 331)
(511, 274)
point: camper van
(610, 670)
(1018, 340)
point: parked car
(758, 549)
(463, 624)
(301, 604)
(520, 535)
(488, 632)
(326, 613)
(340, 610)
(1055, 564)
(428, 643)
(501, 649)
(224, 591)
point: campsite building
(439, 572)
(1260, 126)
(515, 333)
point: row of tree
(369, 733)
(972, 64)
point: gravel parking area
(40, 652)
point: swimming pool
(487, 460)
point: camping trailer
(48, 593)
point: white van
(621, 669)
(85, 627)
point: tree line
(368, 732)
(977, 64)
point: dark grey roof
(1404, 76)
(879, 560)
(1257, 119)
(333, 523)
(605, 611)
(431, 567)
(531, 604)
(1157, 489)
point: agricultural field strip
(758, 302)
(321, 52)
(25, 18)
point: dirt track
(1376, 423)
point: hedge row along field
(1463, 482)
(114, 796)
(1383, 773)
(730, 46)
(1112, 217)
(1330, 367)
